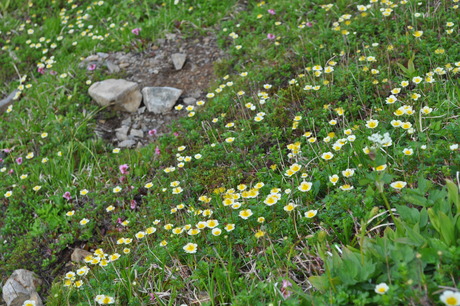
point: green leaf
(452, 195)
(319, 282)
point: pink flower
(41, 70)
(157, 151)
(119, 221)
(153, 132)
(152, 297)
(7, 150)
(52, 72)
(286, 293)
(67, 196)
(19, 160)
(176, 134)
(11, 171)
(91, 67)
(133, 204)
(124, 169)
(136, 31)
(271, 36)
(271, 12)
(309, 24)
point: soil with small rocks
(155, 68)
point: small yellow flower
(259, 234)
(310, 214)
(190, 248)
(418, 34)
(140, 235)
(398, 185)
(84, 221)
(245, 214)
(70, 213)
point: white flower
(381, 288)
(450, 298)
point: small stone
(160, 100)
(79, 255)
(7, 101)
(141, 110)
(127, 143)
(21, 286)
(178, 60)
(124, 95)
(126, 121)
(92, 58)
(170, 36)
(136, 133)
(113, 68)
(103, 55)
(196, 93)
(122, 133)
(189, 101)
(124, 65)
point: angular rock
(160, 100)
(92, 58)
(103, 55)
(113, 68)
(79, 255)
(21, 286)
(189, 101)
(178, 60)
(124, 95)
(7, 101)
(122, 133)
(136, 133)
(127, 143)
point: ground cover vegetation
(321, 169)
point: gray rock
(136, 133)
(21, 286)
(78, 255)
(103, 55)
(196, 93)
(189, 100)
(141, 110)
(160, 100)
(178, 60)
(170, 36)
(7, 101)
(127, 143)
(124, 65)
(113, 68)
(124, 95)
(122, 133)
(92, 58)
(126, 121)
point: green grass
(281, 103)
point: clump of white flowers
(381, 140)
